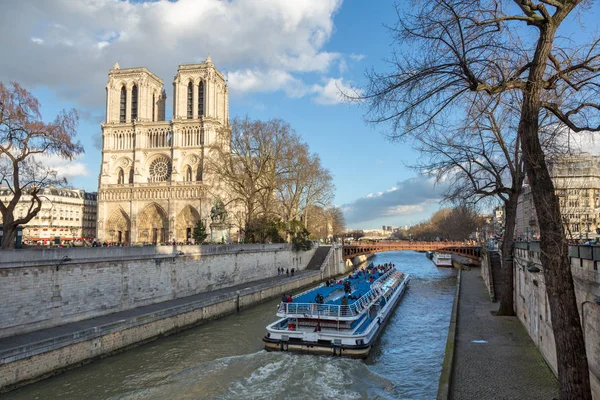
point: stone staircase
(496, 269)
(318, 258)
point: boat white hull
(334, 343)
(442, 260)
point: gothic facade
(153, 186)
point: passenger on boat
(347, 288)
(318, 327)
(319, 298)
(284, 298)
(344, 301)
(289, 299)
(327, 283)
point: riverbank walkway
(39, 341)
(494, 357)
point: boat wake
(264, 375)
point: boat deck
(360, 284)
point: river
(224, 359)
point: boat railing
(354, 309)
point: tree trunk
(507, 307)
(9, 231)
(573, 372)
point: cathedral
(153, 186)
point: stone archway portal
(153, 225)
(186, 221)
(118, 227)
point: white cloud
(577, 142)
(333, 91)
(269, 81)
(357, 57)
(64, 168)
(69, 46)
(406, 198)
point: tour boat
(442, 259)
(343, 318)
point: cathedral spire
(116, 66)
(208, 59)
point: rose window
(160, 169)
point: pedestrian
(292, 271)
(278, 271)
(287, 272)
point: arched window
(201, 99)
(134, 103)
(190, 101)
(131, 175)
(120, 177)
(153, 106)
(188, 174)
(123, 108)
(199, 174)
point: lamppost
(62, 261)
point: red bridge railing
(356, 249)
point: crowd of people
(287, 271)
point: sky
(283, 59)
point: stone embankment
(100, 305)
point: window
(153, 105)
(199, 174)
(188, 174)
(123, 104)
(160, 169)
(134, 103)
(201, 99)
(575, 227)
(190, 101)
(120, 177)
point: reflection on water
(224, 359)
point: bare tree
(496, 46)
(24, 140)
(326, 223)
(480, 158)
(338, 222)
(246, 171)
(270, 173)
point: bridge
(356, 249)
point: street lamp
(62, 261)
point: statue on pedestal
(219, 229)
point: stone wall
(45, 288)
(30, 363)
(533, 310)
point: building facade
(577, 184)
(153, 186)
(66, 214)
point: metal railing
(334, 310)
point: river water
(224, 359)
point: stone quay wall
(34, 363)
(51, 287)
(533, 309)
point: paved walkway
(507, 365)
(18, 346)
